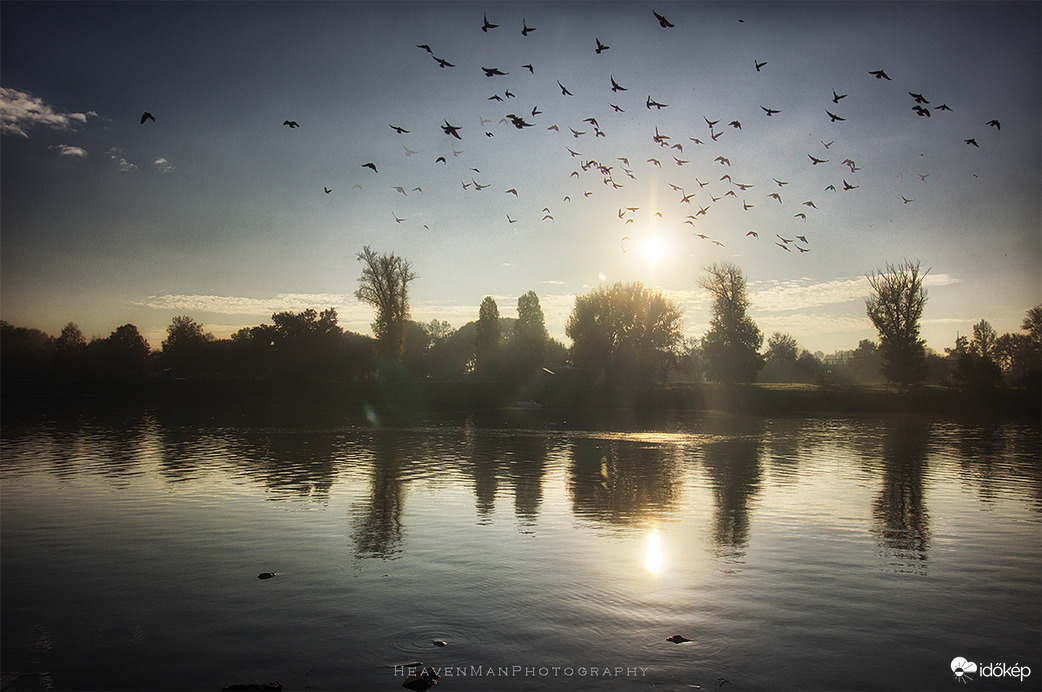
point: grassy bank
(405, 395)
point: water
(794, 553)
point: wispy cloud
(805, 293)
(69, 150)
(244, 306)
(122, 165)
(21, 112)
(162, 165)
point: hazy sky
(218, 210)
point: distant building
(837, 358)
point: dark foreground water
(547, 554)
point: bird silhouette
(753, 234)
(326, 189)
(920, 111)
(759, 64)
(486, 25)
(769, 111)
(833, 117)
(615, 85)
(529, 68)
(995, 123)
(879, 74)
(425, 47)
(564, 91)
(291, 123)
(906, 200)
(493, 71)
(816, 161)
(147, 116)
(398, 129)
(662, 21)
(370, 165)
(972, 141)
(525, 29)
(918, 98)
(655, 104)
(442, 62)
(944, 107)
(600, 47)
(802, 239)
(836, 97)
(451, 130)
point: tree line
(622, 334)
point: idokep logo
(962, 669)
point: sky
(218, 210)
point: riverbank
(406, 396)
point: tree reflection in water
(624, 482)
(734, 471)
(900, 518)
(377, 530)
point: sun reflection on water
(653, 559)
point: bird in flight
(615, 85)
(564, 91)
(370, 165)
(493, 71)
(879, 74)
(769, 111)
(291, 123)
(326, 189)
(836, 97)
(442, 63)
(972, 141)
(920, 111)
(944, 107)
(525, 29)
(753, 234)
(600, 47)
(995, 123)
(398, 129)
(759, 64)
(486, 25)
(451, 130)
(918, 98)
(833, 117)
(425, 47)
(649, 103)
(906, 200)
(817, 161)
(662, 21)
(147, 116)
(529, 68)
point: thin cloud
(21, 112)
(69, 150)
(122, 165)
(162, 165)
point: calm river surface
(546, 553)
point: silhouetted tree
(1032, 323)
(24, 353)
(625, 332)
(307, 344)
(187, 348)
(488, 340)
(895, 310)
(530, 336)
(70, 352)
(384, 284)
(123, 354)
(732, 344)
(780, 358)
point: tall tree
(488, 338)
(185, 346)
(625, 332)
(530, 335)
(70, 352)
(895, 309)
(732, 344)
(384, 284)
(780, 358)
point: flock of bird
(612, 172)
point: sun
(654, 248)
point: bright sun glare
(653, 248)
(653, 560)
